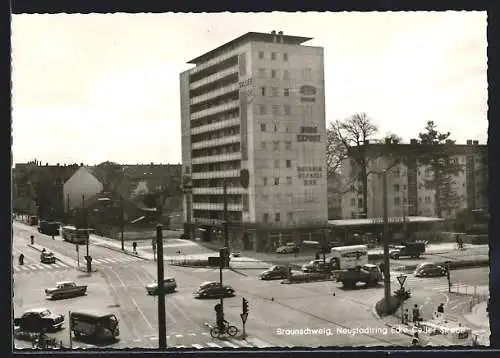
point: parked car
(429, 269)
(368, 274)
(47, 258)
(169, 285)
(97, 325)
(213, 289)
(236, 254)
(274, 272)
(39, 320)
(310, 266)
(289, 248)
(65, 289)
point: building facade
(255, 103)
(406, 189)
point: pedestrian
(406, 316)
(440, 308)
(416, 314)
(32, 239)
(381, 267)
(134, 247)
(415, 341)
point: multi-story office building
(256, 103)
(407, 192)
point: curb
(126, 252)
(66, 262)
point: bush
(394, 304)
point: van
(96, 325)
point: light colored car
(65, 289)
(289, 248)
(169, 284)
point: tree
(110, 174)
(355, 131)
(436, 154)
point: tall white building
(256, 103)
(406, 189)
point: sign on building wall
(308, 134)
(242, 61)
(310, 174)
(244, 125)
(307, 93)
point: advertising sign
(307, 93)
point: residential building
(407, 192)
(255, 103)
(80, 187)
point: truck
(407, 249)
(350, 266)
(48, 228)
(65, 289)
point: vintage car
(65, 289)
(275, 272)
(289, 248)
(169, 285)
(429, 269)
(101, 326)
(39, 320)
(47, 258)
(407, 249)
(213, 289)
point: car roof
(91, 313)
(369, 265)
(36, 310)
(64, 282)
(206, 283)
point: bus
(74, 235)
(349, 257)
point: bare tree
(355, 131)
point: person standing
(406, 316)
(415, 341)
(416, 314)
(134, 247)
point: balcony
(217, 206)
(233, 173)
(216, 126)
(218, 191)
(217, 158)
(215, 77)
(217, 141)
(215, 109)
(214, 61)
(216, 93)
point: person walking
(406, 316)
(134, 247)
(415, 340)
(416, 314)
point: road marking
(107, 261)
(205, 333)
(198, 346)
(458, 305)
(16, 268)
(63, 264)
(258, 343)
(179, 336)
(32, 267)
(192, 334)
(245, 344)
(213, 345)
(230, 345)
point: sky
(96, 87)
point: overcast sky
(97, 87)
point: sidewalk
(59, 257)
(479, 318)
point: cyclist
(221, 322)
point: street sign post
(244, 317)
(401, 280)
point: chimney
(475, 142)
(275, 38)
(413, 141)
(281, 36)
(469, 141)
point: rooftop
(249, 36)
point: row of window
(283, 74)
(274, 56)
(276, 143)
(276, 181)
(274, 92)
(397, 201)
(276, 110)
(277, 217)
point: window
(289, 217)
(274, 91)
(264, 181)
(261, 72)
(353, 202)
(286, 92)
(286, 75)
(427, 199)
(273, 55)
(420, 199)
(288, 163)
(276, 180)
(276, 110)
(288, 145)
(427, 172)
(262, 127)
(262, 109)
(274, 73)
(360, 202)
(276, 145)
(306, 74)
(188, 170)
(277, 217)
(261, 55)
(397, 200)
(287, 129)
(420, 186)
(265, 217)
(286, 107)
(263, 91)
(396, 187)
(276, 163)
(263, 145)
(288, 180)
(307, 111)
(404, 187)
(285, 57)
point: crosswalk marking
(229, 344)
(178, 336)
(33, 267)
(197, 346)
(257, 342)
(40, 266)
(214, 345)
(245, 344)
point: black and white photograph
(209, 181)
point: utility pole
(162, 325)
(121, 222)
(226, 232)
(87, 257)
(222, 258)
(387, 278)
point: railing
(215, 126)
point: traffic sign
(401, 279)
(244, 317)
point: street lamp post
(121, 223)
(387, 278)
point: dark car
(47, 258)
(289, 248)
(429, 269)
(169, 285)
(39, 320)
(102, 326)
(274, 272)
(213, 289)
(407, 249)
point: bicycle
(216, 332)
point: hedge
(394, 304)
(187, 262)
